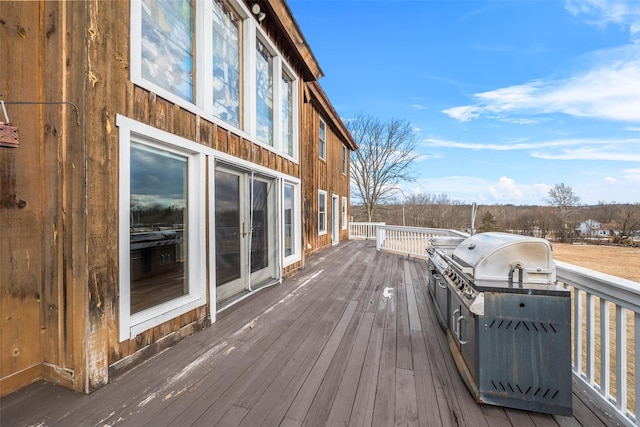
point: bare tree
(566, 202)
(383, 160)
(628, 220)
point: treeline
(542, 221)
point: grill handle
(514, 267)
(456, 325)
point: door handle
(460, 319)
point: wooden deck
(331, 346)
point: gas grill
(508, 323)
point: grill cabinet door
(525, 352)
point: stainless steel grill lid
(502, 259)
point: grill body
(508, 323)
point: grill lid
(494, 256)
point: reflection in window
(228, 232)
(259, 226)
(158, 232)
(322, 141)
(288, 220)
(287, 115)
(264, 94)
(167, 45)
(226, 63)
(344, 213)
(322, 212)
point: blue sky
(508, 97)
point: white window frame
(296, 222)
(132, 324)
(202, 81)
(322, 232)
(322, 142)
(344, 160)
(344, 213)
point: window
(344, 213)
(322, 141)
(226, 63)
(264, 94)
(213, 59)
(287, 115)
(344, 160)
(289, 221)
(167, 45)
(322, 212)
(161, 227)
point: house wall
(42, 194)
(323, 175)
(59, 195)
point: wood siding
(59, 192)
(323, 174)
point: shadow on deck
(331, 346)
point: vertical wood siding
(59, 214)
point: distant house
(174, 158)
(594, 229)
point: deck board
(325, 347)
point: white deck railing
(410, 241)
(605, 321)
(363, 230)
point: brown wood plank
(345, 395)
(230, 419)
(383, 412)
(412, 279)
(362, 412)
(429, 413)
(406, 406)
(436, 352)
(403, 340)
(304, 398)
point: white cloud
(418, 107)
(561, 149)
(632, 174)
(610, 179)
(604, 152)
(609, 90)
(469, 189)
(601, 13)
(506, 189)
(464, 114)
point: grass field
(617, 261)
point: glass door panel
(228, 232)
(245, 227)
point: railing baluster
(636, 352)
(590, 322)
(621, 358)
(605, 350)
(577, 331)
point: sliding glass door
(245, 231)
